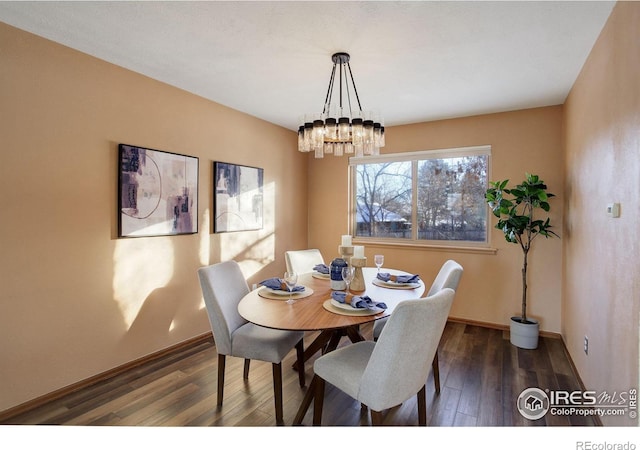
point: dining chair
(386, 373)
(223, 286)
(448, 277)
(303, 261)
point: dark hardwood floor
(481, 376)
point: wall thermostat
(613, 210)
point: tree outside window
(423, 197)
(383, 200)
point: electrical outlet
(613, 210)
(586, 345)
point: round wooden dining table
(313, 310)
(309, 313)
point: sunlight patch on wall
(204, 253)
(205, 238)
(259, 255)
(141, 265)
(253, 250)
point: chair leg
(300, 364)
(277, 392)
(422, 406)
(376, 418)
(221, 365)
(245, 374)
(436, 373)
(318, 400)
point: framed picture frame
(238, 194)
(157, 192)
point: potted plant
(515, 209)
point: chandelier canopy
(340, 129)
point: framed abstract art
(157, 192)
(238, 197)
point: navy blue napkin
(384, 276)
(356, 301)
(322, 268)
(278, 284)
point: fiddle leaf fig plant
(516, 209)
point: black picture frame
(157, 192)
(238, 197)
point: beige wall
(521, 141)
(71, 307)
(601, 254)
(76, 301)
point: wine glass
(379, 260)
(347, 275)
(290, 279)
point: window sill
(423, 246)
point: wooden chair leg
(436, 373)
(318, 401)
(300, 362)
(422, 406)
(376, 418)
(277, 392)
(245, 374)
(221, 365)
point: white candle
(346, 240)
(358, 251)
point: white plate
(348, 307)
(280, 292)
(395, 283)
(324, 276)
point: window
(425, 197)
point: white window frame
(414, 157)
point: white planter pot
(524, 335)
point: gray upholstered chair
(448, 277)
(386, 373)
(303, 261)
(223, 286)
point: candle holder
(346, 251)
(358, 278)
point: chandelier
(340, 129)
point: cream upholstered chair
(386, 373)
(448, 277)
(223, 286)
(303, 261)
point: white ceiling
(412, 61)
